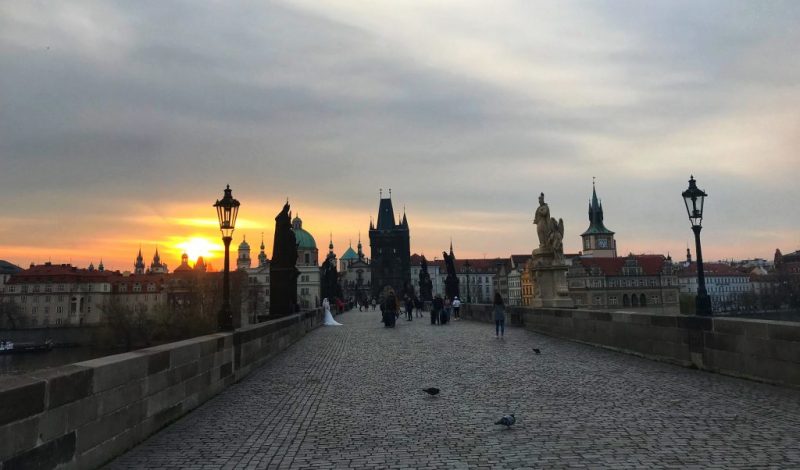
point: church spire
(138, 265)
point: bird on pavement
(431, 391)
(537, 351)
(507, 420)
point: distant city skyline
(120, 126)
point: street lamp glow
(227, 210)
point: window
(47, 299)
(308, 258)
(33, 310)
(137, 287)
(59, 309)
(48, 288)
(612, 300)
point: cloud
(137, 115)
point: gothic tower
(138, 266)
(390, 250)
(598, 241)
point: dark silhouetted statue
(425, 283)
(451, 281)
(330, 279)
(282, 271)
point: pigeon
(431, 391)
(537, 351)
(507, 420)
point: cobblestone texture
(349, 397)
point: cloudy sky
(121, 122)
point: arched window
(626, 302)
(642, 300)
(634, 300)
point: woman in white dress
(329, 321)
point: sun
(197, 246)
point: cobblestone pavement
(350, 397)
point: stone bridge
(286, 394)
(349, 397)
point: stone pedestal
(550, 275)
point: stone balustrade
(82, 415)
(763, 350)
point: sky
(122, 122)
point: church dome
(349, 254)
(304, 239)
(244, 246)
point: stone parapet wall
(764, 350)
(82, 415)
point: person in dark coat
(436, 309)
(499, 315)
(389, 310)
(409, 308)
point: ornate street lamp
(694, 199)
(467, 266)
(227, 210)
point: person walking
(436, 309)
(409, 308)
(499, 315)
(418, 305)
(374, 304)
(389, 310)
(456, 308)
(448, 308)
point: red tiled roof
(476, 265)
(60, 273)
(651, 264)
(711, 269)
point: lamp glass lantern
(694, 198)
(227, 210)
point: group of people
(442, 309)
(390, 308)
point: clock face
(602, 243)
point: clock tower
(598, 241)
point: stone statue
(330, 279)
(542, 221)
(282, 270)
(550, 231)
(451, 281)
(425, 283)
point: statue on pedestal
(425, 283)
(451, 281)
(282, 271)
(550, 231)
(549, 269)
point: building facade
(355, 274)
(727, 287)
(645, 283)
(308, 283)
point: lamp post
(694, 199)
(227, 209)
(469, 291)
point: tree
(11, 315)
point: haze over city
(121, 123)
